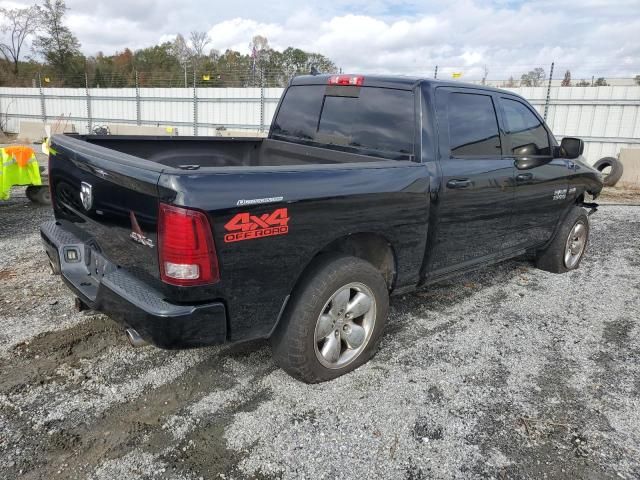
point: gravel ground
(509, 372)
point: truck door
(541, 181)
(475, 196)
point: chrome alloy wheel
(575, 245)
(345, 325)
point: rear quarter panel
(323, 203)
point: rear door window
(372, 121)
(525, 131)
(473, 125)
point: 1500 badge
(245, 226)
(560, 194)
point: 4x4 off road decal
(245, 226)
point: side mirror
(571, 147)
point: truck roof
(392, 81)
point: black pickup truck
(366, 186)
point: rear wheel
(568, 246)
(38, 194)
(334, 320)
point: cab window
(473, 126)
(525, 131)
(378, 122)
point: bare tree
(534, 78)
(17, 24)
(199, 41)
(511, 83)
(484, 75)
(258, 44)
(183, 54)
(181, 50)
(566, 81)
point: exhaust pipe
(134, 338)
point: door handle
(523, 177)
(459, 183)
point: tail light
(186, 248)
(346, 80)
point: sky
(589, 37)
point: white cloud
(238, 32)
(590, 37)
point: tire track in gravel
(69, 447)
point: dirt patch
(37, 361)
(620, 195)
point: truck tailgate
(110, 199)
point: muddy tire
(38, 194)
(612, 177)
(567, 248)
(334, 319)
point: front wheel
(334, 320)
(567, 248)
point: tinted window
(473, 126)
(299, 112)
(528, 135)
(375, 121)
(378, 119)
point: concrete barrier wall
(607, 118)
(630, 158)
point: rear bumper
(125, 298)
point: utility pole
(435, 74)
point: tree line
(184, 62)
(41, 30)
(537, 78)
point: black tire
(616, 170)
(294, 345)
(552, 258)
(39, 194)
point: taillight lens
(346, 80)
(186, 248)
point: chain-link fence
(185, 78)
(604, 111)
(238, 76)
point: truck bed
(202, 152)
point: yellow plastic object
(18, 166)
